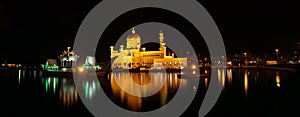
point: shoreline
(293, 69)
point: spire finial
(68, 52)
(133, 31)
(161, 33)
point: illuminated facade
(90, 64)
(68, 59)
(136, 57)
(51, 65)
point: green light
(87, 89)
(56, 81)
(98, 85)
(86, 63)
(47, 85)
(47, 65)
(97, 67)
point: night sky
(32, 31)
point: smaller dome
(133, 35)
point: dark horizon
(32, 31)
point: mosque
(133, 56)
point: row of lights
(276, 50)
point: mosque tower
(162, 43)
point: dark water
(245, 92)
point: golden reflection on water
(141, 84)
(132, 102)
(68, 93)
(206, 82)
(229, 76)
(163, 95)
(277, 79)
(246, 82)
(170, 80)
(221, 77)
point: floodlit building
(68, 60)
(51, 65)
(133, 56)
(271, 62)
(90, 64)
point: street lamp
(245, 55)
(277, 50)
(193, 67)
(245, 58)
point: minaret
(162, 44)
(161, 40)
(111, 51)
(161, 36)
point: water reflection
(250, 79)
(23, 73)
(90, 88)
(19, 77)
(135, 103)
(34, 74)
(50, 84)
(68, 93)
(206, 82)
(237, 83)
(138, 84)
(246, 82)
(29, 74)
(229, 76)
(65, 88)
(221, 77)
(277, 79)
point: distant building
(68, 62)
(51, 65)
(135, 57)
(10, 65)
(68, 59)
(271, 62)
(90, 64)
